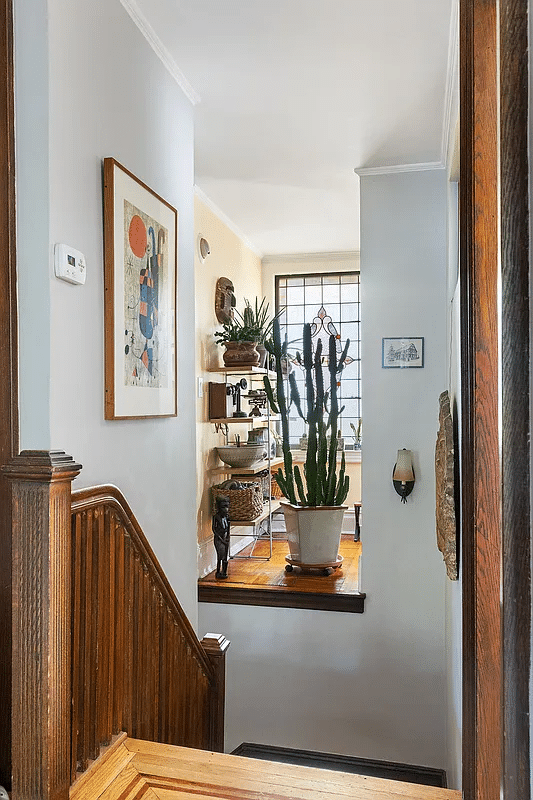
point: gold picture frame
(140, 316)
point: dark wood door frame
(495, 357)
(495, 514)
(8, 368)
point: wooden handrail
(137, 664)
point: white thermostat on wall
(69, 264)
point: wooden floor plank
(252, 582)
(112, 761)
(174, 772)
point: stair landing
(130, 769)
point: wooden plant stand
(327, 568)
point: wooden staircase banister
(137, 664)
(111, 496)
(100, 642)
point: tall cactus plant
(321, 484)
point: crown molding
(160, 50)
(423, 166)
(226, 220)
(449, 121)
(349, 256)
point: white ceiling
(295, 94)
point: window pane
(295, 295)
(349, 330)
(294, 335)
(351, 408)
(313, 294)
(296, 281)
(311, 312)
(331, 294)
(349, 277)
(313, 280)
(295, 315)
(351, 371)
(349, 387)
(282, 297)
(334, 311)
(347, 430)
(350, 292)
(297, 427)
(349, 312)
(330, 279)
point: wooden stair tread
(133, 768)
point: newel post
(215, 646)
(40, 491)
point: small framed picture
(399, 352)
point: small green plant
(253, 325)
(323, 485)
(356, 435)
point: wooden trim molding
(391, 770)
(9, 430)
(494, 231)
(215, 646)
(278, 597)
(481, 478)
(516, 356)
(41, 657)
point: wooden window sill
(253, 582)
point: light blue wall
(370, 685)
(100, 91)
(33, 219)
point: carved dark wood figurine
(224, 300)
(221, 535)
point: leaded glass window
(331, 302)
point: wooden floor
(132, 769)
(265, 583)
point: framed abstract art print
(140, 276)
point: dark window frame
(352, 375)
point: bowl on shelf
(244, 456)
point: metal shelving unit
(271, 505)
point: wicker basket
(262, 478)
(244, 504)
(276, 491)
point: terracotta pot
(240, 354)
(313, 532)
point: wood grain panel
(175, 772)
(495, 399)
(481, 475)
(137, 663)
(41, 603)
(8, 367)
(516, 512)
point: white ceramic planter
(313, 532)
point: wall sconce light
(403, 474)
(203, 248)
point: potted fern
(314, 507)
